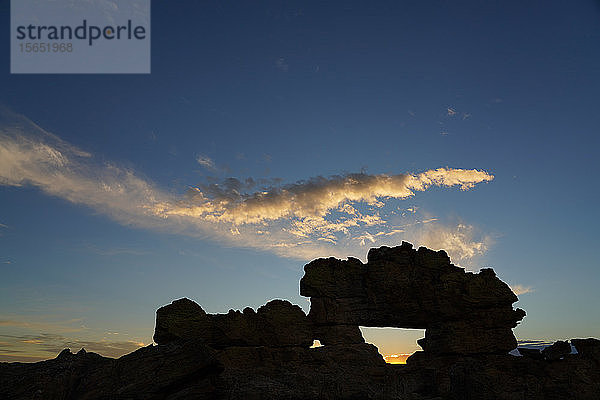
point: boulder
(557, 350)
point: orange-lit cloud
(521, 289)
(315, 197)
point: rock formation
(278, 323)
(557, 350)
(588, 348)
(462, 312)
(266, 354)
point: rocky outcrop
(153, 373)
(462, 312)
(557, 350)
(278, 323)
(588, 348)
(507, 377)
(266, 354)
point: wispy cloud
(29, 338)
(320, 216)
(48, 345)
(534, 344)
(282, 64)
(114, 251)
(520, 289)
(461, 241)
(206, 162)
(72, 325)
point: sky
(272, 133)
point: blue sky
(296, 100)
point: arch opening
(394, 344)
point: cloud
(282, 64)
(315, 197)
(321, 216)
(461, 241)
(4, 357)
(205, 162)
(72, 325)
(32, 339)
(48, 345)
(115, 251)
(534, 344)
(520, 289)
(31, 156)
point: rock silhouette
(588, 348)
(462, 312)
(278, 323)
(267, 353)
(558, 350)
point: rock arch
(462, 312)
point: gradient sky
(333, 120)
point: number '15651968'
(46, 47)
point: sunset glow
(396, 358)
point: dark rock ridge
(267, 353)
